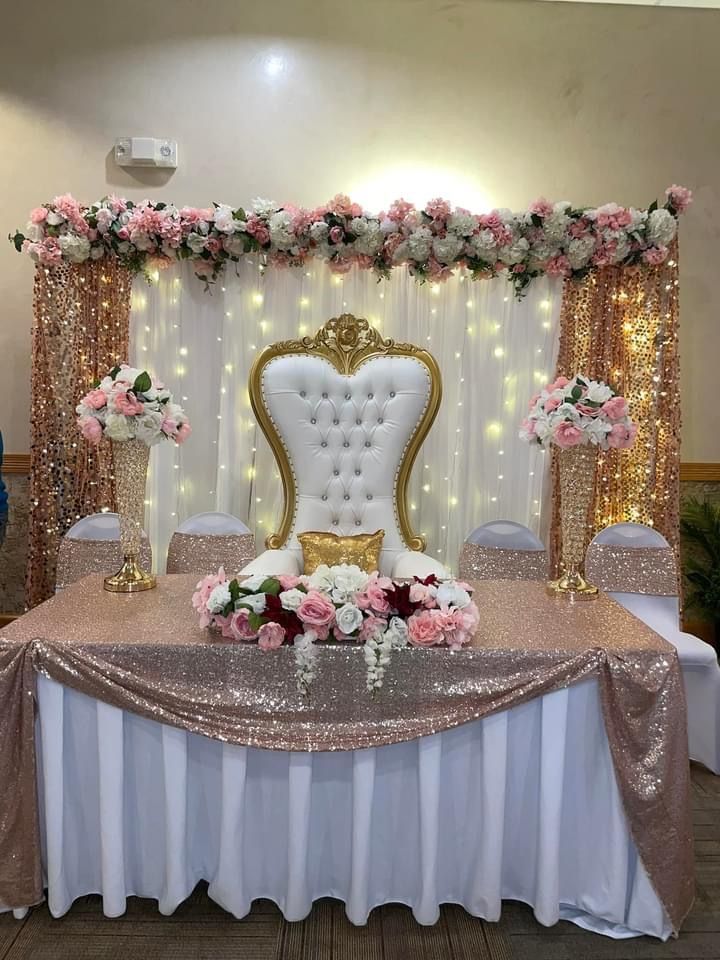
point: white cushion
(412, 563)
(345, 438)
(273, 563)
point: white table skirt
(522, 805)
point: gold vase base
(573, 586)
(130, 578)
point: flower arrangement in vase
(579, 416)
(341, 603)
(134, 412)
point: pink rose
(202, 594)
(38, 215)
(318, 612)
(421, 593)
(621, 437)
(558, 384)
(679, 197)
(552, 403)
(558, 266)
(95, 399)
(288, 581)
(375, 595)
(438, 209)
(183, 432)
(567, 435)
(240, 625)
(224, 623)
(425, 629)
(127, 404)
(169, 427)
(528, 427)
(541, 207)
(336, 234)
(91, 429)
(270, 636)
(588, 411)
(616, 408)
(654, 256)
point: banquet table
(547, 762)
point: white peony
(597, 429)
(554, 226)
(598, 392)
(34, 231)
(74, 248)
(224, 220)
(322, 578)
(291, 599)
(451, 595)
(484, 246)
(639, 219)
(661, 227)
(358, 226)
(515, 252)
(263, 207)
(419, 244)
(371, 241)
(319, 231)
(148, 428)
(579, 252)
(104, 218)
(219, 598)
(464, 223)
(543, 426)
(349, 618)
(97, 251)
(447, 248)
(256, 601)
(117, 427)
(234, 246)
(280, 227)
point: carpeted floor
(200, 930)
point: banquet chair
(503, 550)
(92, 545)
(345, 413)
(206, 541)
(637, 567)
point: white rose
(543, 426)
(580, 249)
(54, 219)
(516, 252)
(349, 579)
(370, 242)
(117, 427)
(219, 598)
(264, 207)
(319, 231)
(349, 618)
(224, 220)
(291, 599)
(597, 429)
(147, 428)
(598, 392)
(322, 579)
(485, 245)
(447, 248)
(256, 601)
(74, 248)
(397, 632)
(280, 227)
(104, 218)
(661, 227)
(451, 595)
(234, 246)
(196, 242)
(567, 411)
(358, 226)
(34, 231)
(554, 226)
(419, 244)
(464, 223)
(254, 582)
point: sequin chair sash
(636, 566)
(495, 563)
(503, 550)
(79, 557)
(646, 570)
(204, 553)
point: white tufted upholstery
(345, 437)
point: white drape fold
(493, 351)
(522, 805)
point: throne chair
(345, 413)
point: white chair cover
(206, 541)
(92, 545)
(503, 550)
(698, 660)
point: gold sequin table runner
(145, 653)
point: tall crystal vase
(577, 483)
(130, 460)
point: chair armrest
(412, 563)
(273, 563)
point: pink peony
(567, 435)
(622, 437)
(421, 593)
(127, 404)
(558, 384)
(202, 594)
(183, 432)
(169, 427)
(425, 629)
(541, 207)
(438, 209)
(336, 234)
(318, 612)
(654, 256)
(679, 197)
(342, 205)
(38, 215)
(270, 636)
(370, 627)
(288, 581)
(399, 210)
(91, 429)
(240, 625)
(552, 403)
(616, 408)
(558, 266)
(96, 399)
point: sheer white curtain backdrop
(494, 353)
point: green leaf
(114, 372)
(17, 240)
(576, 393)
(142, 383)
(653, 206)
(271, 586)
(234, 588)
(239, 214)
(255, 621)
(536, 220)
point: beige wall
(486, 102)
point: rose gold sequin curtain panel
(621, 326)
(81, 323)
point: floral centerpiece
(341, 603)
(135, 412)
(579, 416)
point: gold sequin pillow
(363, 550)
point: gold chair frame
(347, 342)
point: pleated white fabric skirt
(522, 805)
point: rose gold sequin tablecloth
(145, 653)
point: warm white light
(274, 65)
(469, 303)
(183, 351)
(304, 301)
(498, 352)
(257, 298)
(545, 305)
(435, 289)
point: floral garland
(554, 239)
(581, 411)
(341, 603)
